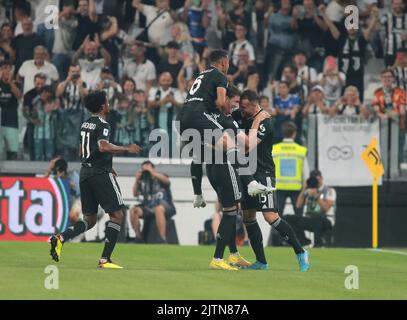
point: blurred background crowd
(298, 55)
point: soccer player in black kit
(202, 108)
(249, 110)
(98, 184)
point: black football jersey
(203, 90)
(93, 130)
(265, 163)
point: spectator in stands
(180, 34)
(164, 102)
(29, 97)
(400, 69)
(144, 122)
(350, 104)
(307, 75)
(320, 202)
(311, 26)
(44, 118)
(124, 126)
(173, 63)
(139, 68)
(287, 106)
(239, 75)
(158, 32)
(87, 25)
(195, 15)
(253, 82)
(259, 28)
(352, 49)
(6, 36)
(295, 85)
(110, 41)
(22, 10)
(394, 27)
(9, 99)
(266, 105)
(64, 37)
(110, 86)
(39, 64)
(157, 200)
(282, 39)
(227, 22)
(316, 102)
(239, 43)
(129, 90)
(332, 80)
(87, 58)
(24, 44)
(390, 103)
(71, 93)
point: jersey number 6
(195, 86)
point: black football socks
(196, 176)
(78, 228)
(287, 233)
(225, 231)
(256, 240)
(112, 232)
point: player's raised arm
(221, 98)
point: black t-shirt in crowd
(9, 106)
(351, 55)
(85, 27)
(204, 89)
(265, 163)
(173, 69)
(24, 47)
(93, 161)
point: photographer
(319, 215)
(154, 187)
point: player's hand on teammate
(133, 148)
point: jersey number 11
(85, 142)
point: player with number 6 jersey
(98, 183)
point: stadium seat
(151, 235)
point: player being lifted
(249, 111)
(202, 108)
(98, 184)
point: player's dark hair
(232, 91)
(217, 55)
(95, 100)
(288, 129)
(250, 95)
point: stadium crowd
(297, 55)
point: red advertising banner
(32, 209)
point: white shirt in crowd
(234, 48)
(159, 31)
(308, 73)
(65, 36)
(90, 71)
(140, 72)
(28, 70)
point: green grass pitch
(181, 272)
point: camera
(75, 76)
(106, 83)
(145, 175)
(312, 183)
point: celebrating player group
(211, 105)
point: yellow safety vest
(289, 159)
